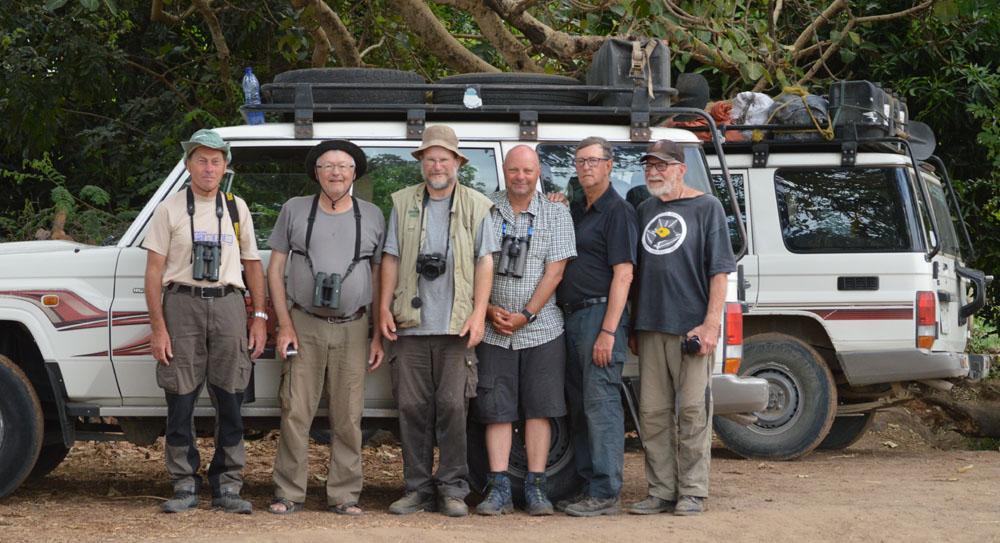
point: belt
(203, 292)
(335, 320)
(582, 304)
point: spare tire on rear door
(372, 95)
(525, 96)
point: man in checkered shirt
(522, 358)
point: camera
(513, 256)
(290, 352)
(431, 266)
(206, 261)
(326, 290)
(691, 345)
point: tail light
(926, 319)
(733, 349)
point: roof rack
(639, 116)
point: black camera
(326, 290)
(691, 345)
(291, 352)
(431, 266)
(207, 255)
(513, 256)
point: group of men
(514, 299)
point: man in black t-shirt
(684, 260)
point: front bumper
(869, 368)
(732, 394)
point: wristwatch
(260, 315)
(529, 315)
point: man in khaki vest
(437, 270)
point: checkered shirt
(552, 240)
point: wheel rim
(783, 399)
(558, 447)
(2, 424)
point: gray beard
(662, 190)
(439, 186)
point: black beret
(360, 161)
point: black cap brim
(360, 160)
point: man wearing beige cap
(437, 271)
(685, 257)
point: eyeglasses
(592, 161)
(327, 168)
(659, 166)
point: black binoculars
(326, 290)
(206, 261)
(513, 256)
(431, 266)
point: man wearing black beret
(323, 280)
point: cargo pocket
(472, 374)
(229, 367)
(179, 376)
(285, 387)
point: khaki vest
(468, 209)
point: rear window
(739, 187)
(846, 210)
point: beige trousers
(675, 416)
(334, 357)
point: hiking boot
(594, 507)
(561, 505)
(498, 499)
(231, 502)
(412, 502)
(689, 506)
(652, 505)
(182, 501)
(455, 507)
(536, 502)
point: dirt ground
(895, 484)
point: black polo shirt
(606, 234)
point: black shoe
(231, 502)
(561, 505)
(651, 506)
(412, 502)
(594, 507)
(182, 501)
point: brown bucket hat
(664, 150)
(440, 135)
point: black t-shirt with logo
(682, 244)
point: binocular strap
(309, 230)
(218, 214)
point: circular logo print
(664, 234)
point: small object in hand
(291, 352)
(691, 345)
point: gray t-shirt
(331, 251)
(683, 243)
(437, 295)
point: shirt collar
(507, 212)
(602, 203)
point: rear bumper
(869, 368)
(979, 366)
(732, 394)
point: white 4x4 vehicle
(74, 328)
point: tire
(801, 406)
(348, 96)
(559, 469)
(847, 430)
(526, 97)
(21, 426)
(49, 458)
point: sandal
(350, 509)
(289, 506)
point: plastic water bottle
(251, 96)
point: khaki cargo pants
(675, 416)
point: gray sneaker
(231, 502)
(453, 507)
(689, 506)
(595, 507)
(412, 502)
(652, 505)
(561, 505)
(182, 501)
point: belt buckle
(201, 292)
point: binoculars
(206, 261)
(431, 266)
(326, 290)
(513, 256)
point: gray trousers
(433, 378)
(675, 416)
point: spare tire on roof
(347, 96)
(525, 96)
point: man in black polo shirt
(592, 295)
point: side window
(841, 210)
(946, 225)
(739, 186)
(266, 177)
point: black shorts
(523, 384)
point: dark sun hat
(360, 161)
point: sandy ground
(891, 486)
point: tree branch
(823, 18)
(163, 78)
(422, 21)
(344, 46)
(218, 38)
(566, 47)
(157, 14)
(896, 15)
(821, 61)
(522, 6)
(373, 47)
(514, 53)
(321, 48)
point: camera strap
(309, 230)
(423, 207)
(219, 211)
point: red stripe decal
(891, 314)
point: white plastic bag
(751, 108)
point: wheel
(21, 426)
(847, 430)
(49, 458)
(348, 96)
(801, 406)
(559, 469)
(525, 97)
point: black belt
(203, 292)
(335, 320)
(582, 304)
